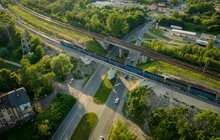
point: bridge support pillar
(121, 53)
(85, 60)
(103, 44)
(111, 73)
(143, 59)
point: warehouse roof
(184, 32)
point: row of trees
(180, 123)
(107, 20)
(10, 37)
(190, 53)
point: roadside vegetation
(104, 90)
(158, 32)
(85, 127)
(45, 122)
(170, 123)
(121, 132)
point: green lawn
(158, 32)
(146, 35)
(85, 127)
(104, 90)
(59, 32)
(168, 69)
(55, 114)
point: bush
(4, 52)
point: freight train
(176, 83)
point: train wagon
(203, 94)
(133, 69)
(101, 57)
(153, 76)
(65, 43)
(177, 84)
(114, 62)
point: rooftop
(14, 98)
(184, 32)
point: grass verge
(158, 32)
(55, 30)
(148, 36)
(85, 127)
(55, 114)
(167, 69)
(104, 90)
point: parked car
(117, 100)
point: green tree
(117, 24)
(121, 132)
(137, 108)
(210, 44)
(61, 65)
(8, 80)
(44, 129)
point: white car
(139, 38)
(101, 138)
(117, 100)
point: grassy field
(167, 69)
(59, 32)
(133, 42)
(55, 114)
(104, 90)
(85, 127)
(158, 32)
(146, 35)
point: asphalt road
(108, 115)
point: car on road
(139, 38)
(117, 100)
(71, 81)
(101, 138)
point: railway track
(124, 45)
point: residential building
(15, 107)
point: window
(12, 117)
(1, 115)
(9, 111)
(4, 121)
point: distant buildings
(14, 107)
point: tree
(43, 128)
(121, 132)
(8, 80)
(205, 123)
(39, 53)
(137, 108)
(174, 2)
(61, 65)
(210, 44)
(116, 24)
